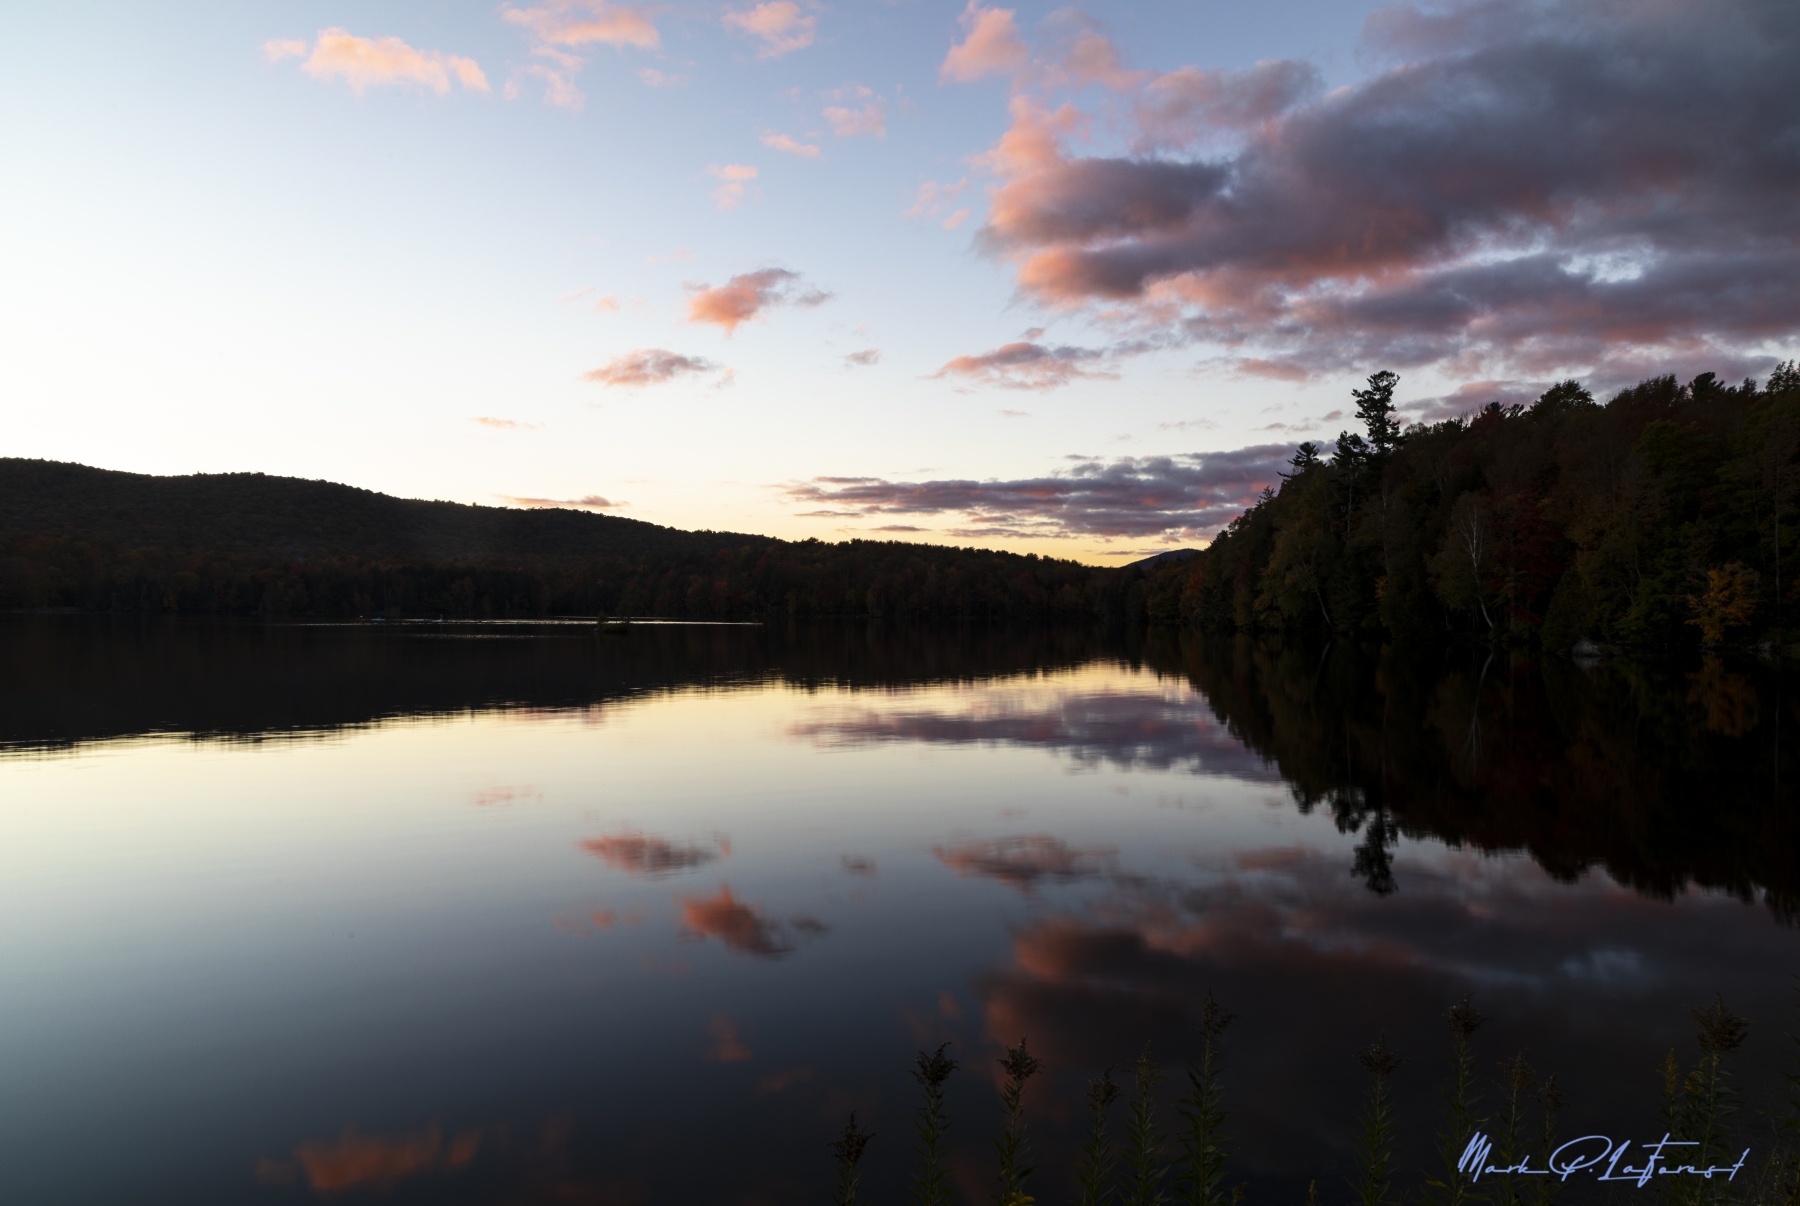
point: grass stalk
(1711, 1097)
(1518, 1079)
(1203, 1114)
(1458, 1186)
(1093, 1172)
(1550, 1100)
(1375, 1145)
(1020, 1066)
(931, 1180)
(847, 1150)
(1144, 1170)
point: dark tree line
(1664, 517)
(758, 579)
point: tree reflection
(1664, 776)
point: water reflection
(373, 1161)
(653, 857)
(1145, 729)
(640, 919)
(1026, 861)
(743, 927)
(1662, 775)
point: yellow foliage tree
(1729, 601)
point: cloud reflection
(652, 857)
(727, 1047)
(1160, 731)
(354, 1160)
(1024, 862)
(740, 926)
(1316, 966)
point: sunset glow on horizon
(1058, 280)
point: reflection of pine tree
(1373, 864)
(1538, 755)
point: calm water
(508, 913)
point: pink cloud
(747, 295)
(866, 358)
(869, 119)
(1190, 496)
(1514, 196)
(1024, 365)
(1189, 105)
(583, 22)
(781, 142)
(991, 46)
(591, 502)
(934, 197)
(560, 25)
(505, 424)
(363, 62)
(779, 24)
(1274, 370)
(1091, 58)
(590, 298)
(647, 366)
(735, 175)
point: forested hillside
(1664, 517)
(253, 515)
(247, 544)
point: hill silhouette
(85, 539)
(256, 515)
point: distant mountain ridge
(257, 515)
(78, 538)
(1163, 558)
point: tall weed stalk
(1712, 1099)
(1518, 1079)
(847, 1149)
(1698, 1105)
(1458, 1186)
(1784, 1168)
(1093, 1172)
(1375, 1145)
(1203, 1114)
(1144, 1171)
(1550, 1101)
(1020, 1066)
(931, 1181)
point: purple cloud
(1192, 495)
(1529, 189)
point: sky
(1060, 280)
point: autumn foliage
(1668, 509)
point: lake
(534, 913)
